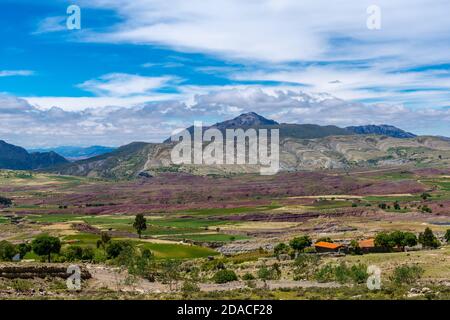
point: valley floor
(212, 223)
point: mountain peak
(250, 119)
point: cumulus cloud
(26, 125)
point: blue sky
(139, 69)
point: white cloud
(123, 85)
(51, 24)
(13, 73)
(26, 125)
(285, 30)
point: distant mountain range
(77, 153)
(17, 158)
(302, 147)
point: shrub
(342, 273)
(5, 201)
(88, 254)
(305, 265)
(280, 248)
(115, 248)
(73, 253)
(273, 273)
(224, 276)
(406, 274)
(248, 276)
(189, 287)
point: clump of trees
(428, 239)
(396, 238)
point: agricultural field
(222, 235)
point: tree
(410, 239)
(397, 205)
(300, 243)
(7, 251)
(384, 240)
(140, 224)
(105, 238)
(45, 245)
(23, 249)
(447, 235)
(428, 239)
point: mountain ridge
(17, 158)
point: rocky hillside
(383, 129)
(332, 152)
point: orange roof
(368, 243)
(327, 245)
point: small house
(322, 247)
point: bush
(305, 265)
(248, 276)
(5, 201)
(280, 248)
(7, 251)
(73, 253)
(224, 276)
(116, 247)
(407, 274)
(300, 243)
(189, 287)
(274, 273)
(342, 273)
(88, 254)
